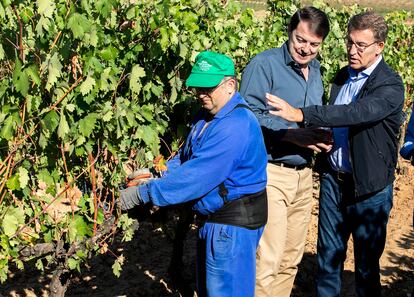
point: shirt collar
(229, 106)
(289, 60)
(355, 75)
(286, 54)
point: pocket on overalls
(223, 243)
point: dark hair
(317, 19)
(370, 20)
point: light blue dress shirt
(339, 157)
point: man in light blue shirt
(339, 156)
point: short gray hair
(370, 20)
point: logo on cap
(204, 66)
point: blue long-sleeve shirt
(229, 150)
(408, 146)
(275, 72)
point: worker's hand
(138, 177)
(284, 109)
(129, 198)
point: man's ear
(380, 47)
(231, 85)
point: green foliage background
(88, 86)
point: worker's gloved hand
(129, 198)
(138, 177)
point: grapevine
(91, 90)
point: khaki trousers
(281, 246)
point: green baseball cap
(209, 70)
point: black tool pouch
(249, 211)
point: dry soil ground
(147, 258)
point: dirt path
(147, 259)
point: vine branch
(54, 199)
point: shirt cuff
(407, 149)
(143, 191)
(305, 122)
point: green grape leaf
(50, 121)
(23, 177)
(42, 23)
(104, 7)
(54, 69)
(45, 176)
(87, 86)
(3, 273)
(107, 116)
(87, 124)
(135, 82)
(13, 182)
(19, 264)
(164, 38)
(100, 217)
(39, 264)
(7, 131)
(117, 266)
(63, 128)
(42, 140)
(78, 229)
(147, 111)
(12, 220)
(46, 7)
(70, 107)
(33, 72)
(1, 52)
(92, 37)
(73, 263)
(149, 136)
(109, 53)
(78, 24)
(20, 79)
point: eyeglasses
(207, 91)
(360, 46)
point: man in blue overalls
(222, 168)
